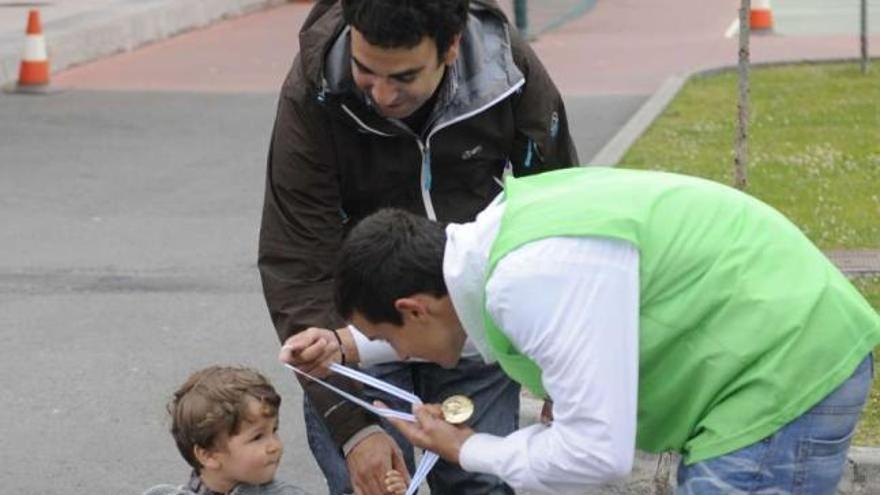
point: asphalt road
(127, 260)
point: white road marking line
(733, 29)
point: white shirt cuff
(473, 455)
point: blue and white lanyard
(428, 459)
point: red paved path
(619, 47)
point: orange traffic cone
(33, 73)
(761, 16)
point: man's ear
(410, 308)
(206, 457)
(453, 50)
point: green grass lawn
(814, 154)
(814, 145)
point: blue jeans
(805, 457)
(496, 411)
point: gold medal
(457, 409)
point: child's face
(252, 455)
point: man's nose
(383, 93)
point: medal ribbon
(428, 459)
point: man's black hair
(403, 23)
(389, 255)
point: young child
(225, 424)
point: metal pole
(741, 156)
(864, 37)
(520, 12)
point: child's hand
(395, 484)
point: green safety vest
(743, 323)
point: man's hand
(432, 432)
(370, 460)
(311, 350)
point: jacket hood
(318, 32)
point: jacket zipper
(425, 174)
(426, 180)
(426, 148)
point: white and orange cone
(761, 16)
(33, 73)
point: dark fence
(534, 17)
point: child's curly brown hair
(213, 402)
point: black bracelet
(341, 349)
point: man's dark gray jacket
(333, 160)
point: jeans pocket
(820, 465)
(817, 447)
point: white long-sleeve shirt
(571, 305)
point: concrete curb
(856, 262)
(613, 151)
(87, 37)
